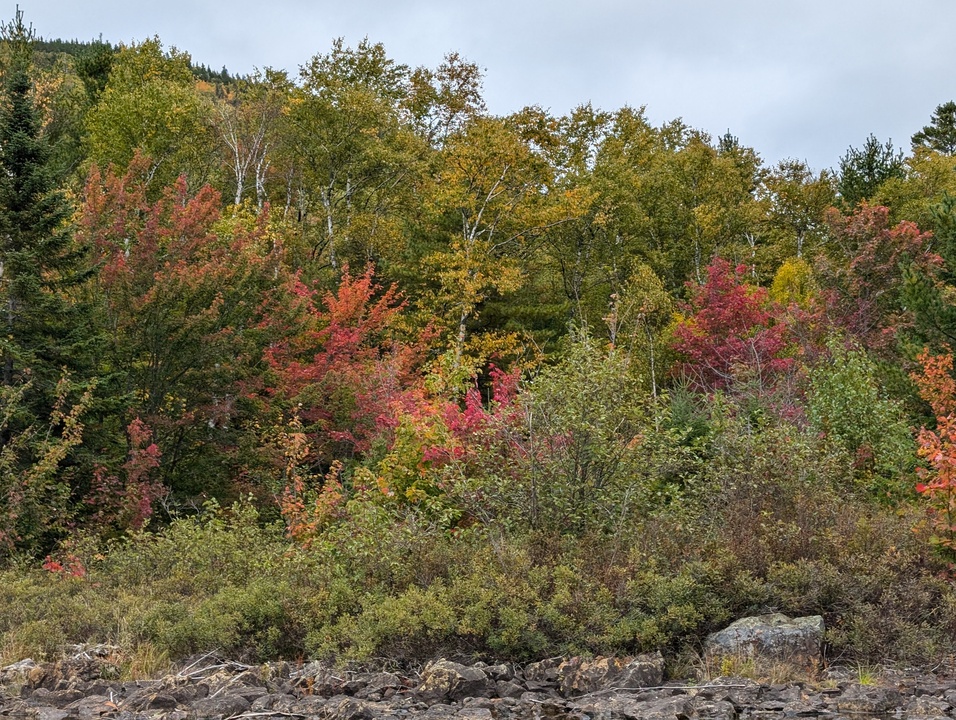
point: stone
(643, 671)
(927, 706)
(624, 706)
(49, 713)
(347, 708)
(370, 684)
(319, 679)
(740, 691)
(446, 680)
(16, 673)
(508, 689)
(475, 713)
(62, 698)
(160, 701)
(273, 701)
(309, 705)
(541, 674)
(93, 706)
(500, 671)
(867, 700)
(221, 706)
(579, 676)
(770, 638)
(714, 710)
(440, 711)
(474, 693)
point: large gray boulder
(773, 638)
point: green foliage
(571, 443)
(356, 161)
(863, 170)
(38, 258)
(794, 202)
(35, 502)
(401, 496)
(93, 65)
(588, 416)
(150, 106)
(940, 134)
(641, 315)
(846, 404)
(391, 585)
(932, 295)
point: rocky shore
(87, 686)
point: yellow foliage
(793, 283)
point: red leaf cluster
(730, 332)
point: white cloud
(798, 79)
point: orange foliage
(938, 448)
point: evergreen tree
(863, 171)
(37, 259)
(940, 134)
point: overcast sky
(803, 78)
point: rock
(626, 707)
(186, 693)
(742, 692)
(553, 709)
(159, 701)
(309, 705)
(770, 638)
(542, 674)
(440, 711)
(92, 706)
(368, 685)
(474, 713)
(927, 706)
(714, 710)
(579, 676)
(16, 673)
(49, 713)
(274, 701)
(319, 679)
(451, 691)
(66, 674)
(867, 700)
(446, 680)
(347, 708)
(508, 689)
(501, 671)
(221, 706)
(643, 671)
(62, 698)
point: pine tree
(940, 134)
(863, 171)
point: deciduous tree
(150, 106)
(729, 335)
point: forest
(338, 364)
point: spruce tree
(38, 261)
